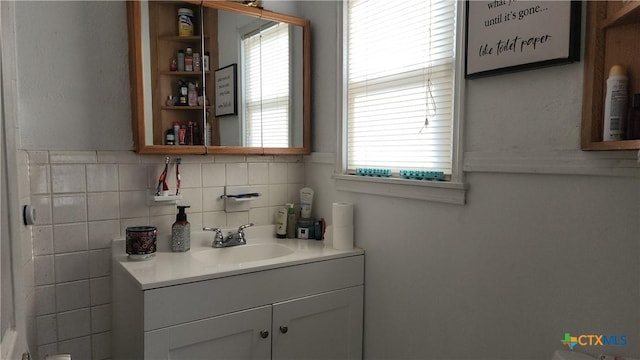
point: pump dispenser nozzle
(182, 215)
(181, 231)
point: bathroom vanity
(269, 299)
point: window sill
(438, 191)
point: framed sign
(225, 86)
(509, 35)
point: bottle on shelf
(180, 65)
(192, 94)
(205, 61)
(183, 93)
(188, 59)
(615, 104)
(209, 133)
(176, 132)
(197, 62)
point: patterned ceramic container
(141, 242)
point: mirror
(252, 99)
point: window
(267, 86)
(400, 93)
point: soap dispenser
(181, 232)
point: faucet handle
(242, 227)
(219, 238)
(241, 237)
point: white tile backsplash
(211, 200)
(100, 318)
(38, 157)
(237, 174)
(99, 263)
(84, 199)
(74, 323)
(190, 175)
(72, 295)
(101, 345)
(47, 329)
(295, 173)
(278, 195)
(214, 175)
(102, 177)
(45, 299)
(100, 290)
(214, 219)
(260, 216)
(39, 179)
(43, 270)
(103, 206)
(42, 205)
(277, 173)
(72, 157)
(72, 266)
(258, 173)
(69, 208)
(68, 178)
(79, 348)
(191, 197)
(236, 219)
(70, 237)
(133, 204)
(102, 233)
(42, 237)
(48, 349)
(132, 177)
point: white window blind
(400, 76)
(266, 57)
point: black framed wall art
(509, 35)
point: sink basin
(241, 254)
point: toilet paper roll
(343, 237)
(342, 214)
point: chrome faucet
(232, 239)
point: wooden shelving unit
(613, 30)
(165, 44)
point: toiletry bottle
(180, 60)
(291, 222)
(181, 232)
(188, 59)
(615, 104)
(281, 222)
(306, 201)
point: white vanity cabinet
(312, 310)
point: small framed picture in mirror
(225, 90)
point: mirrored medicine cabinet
(254, 97)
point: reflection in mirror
(270, 54)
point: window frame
(452, 191)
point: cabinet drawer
(188, 302)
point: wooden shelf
(182, 108)
(182, 73)
(194, 38)
(612, 33)
(614, 145)
(628, 14)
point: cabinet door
(324, 326)
(240, 335)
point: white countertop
(168, 268)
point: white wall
(530, 257)
(73, 71)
